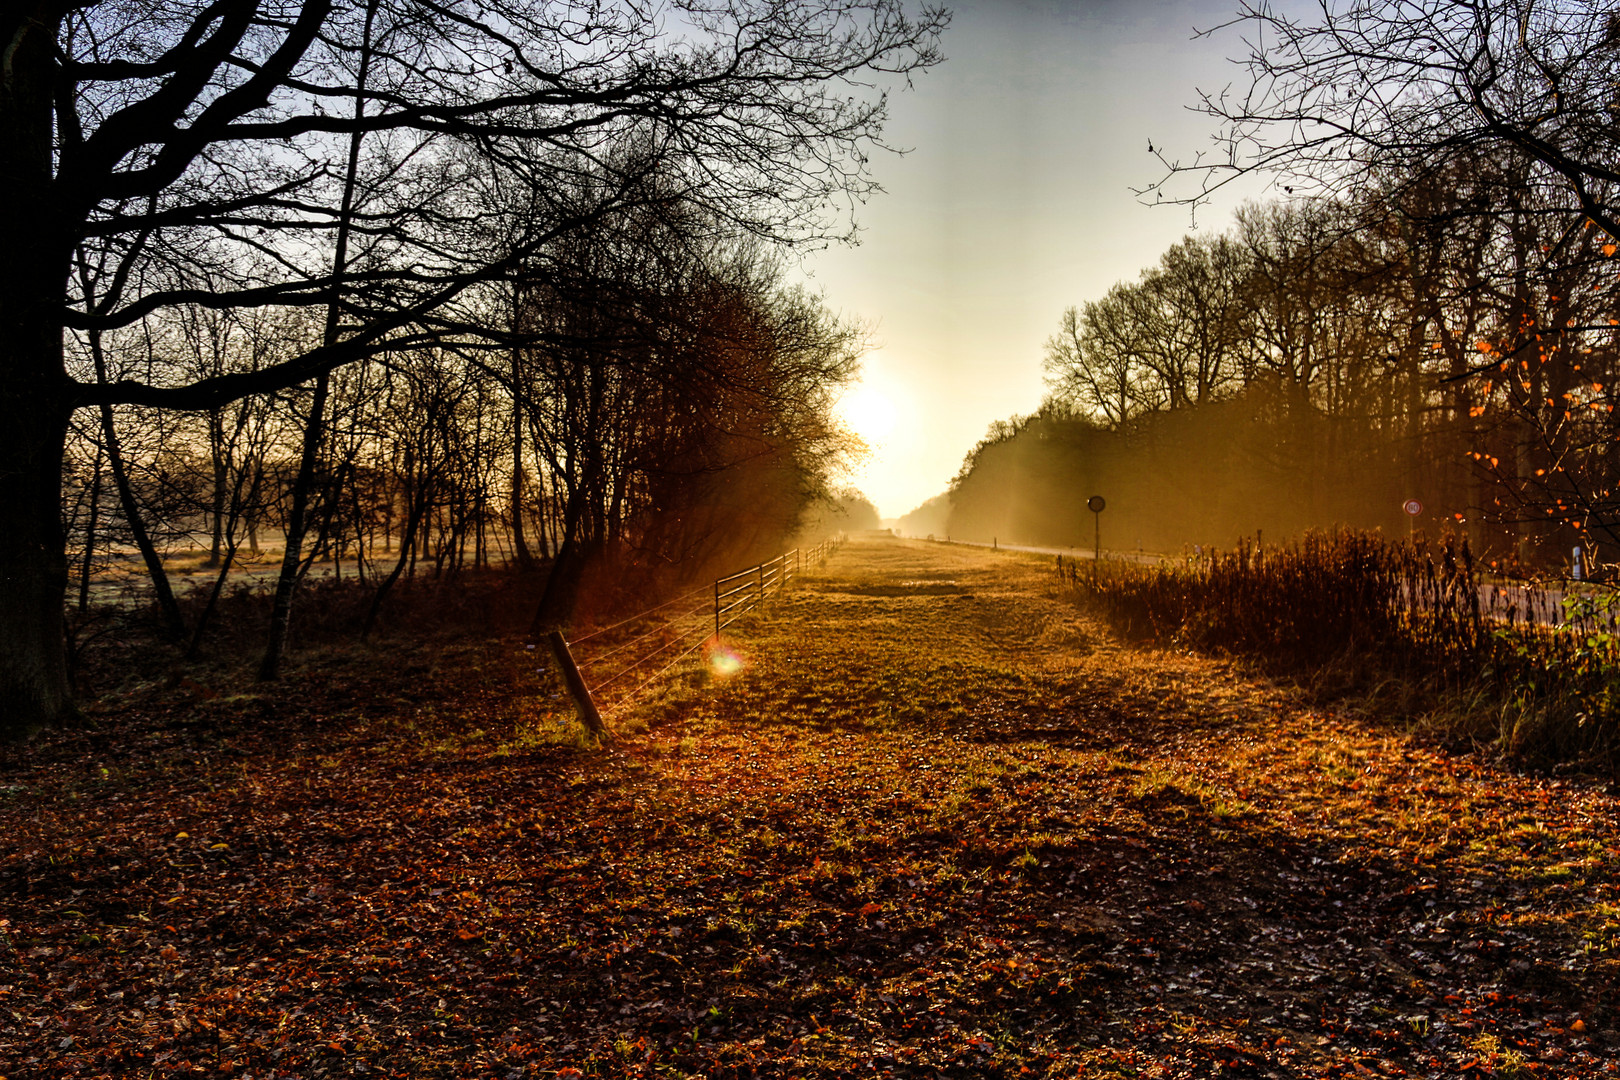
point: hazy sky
(1013, 204)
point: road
(1500, 602)
(1146, 558)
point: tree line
(473, 278)
(679, 421)
(1427, 313)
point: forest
(403, 288)
(1320, 364)
(1425, 311)
(676, 422)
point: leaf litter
(926, 831)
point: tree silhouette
(1368, 95)
(190, 153)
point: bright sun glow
(868, 412)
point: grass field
(939, 823)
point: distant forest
(1448, 340)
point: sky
(1013, 203)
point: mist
(1206, 475)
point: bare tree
(202, 145)
(1369, 94)
(1093, 363)
(1176, 337)
(679, 399)
(1487, 133)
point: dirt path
(938, 825)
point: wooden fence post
(576, 687)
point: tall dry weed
(1410, 627)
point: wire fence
(658, 632)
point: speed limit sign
(1412, 507)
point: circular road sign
(1412, 507)
(1095, 504)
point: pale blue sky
(1013, 204)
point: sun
(868, 412)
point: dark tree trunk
(406, 552)
(229, 557)
(359, 522)
(90, 535)
(167, 604)
(34, 403)
(520, 545)
(562, 583)
(216, 434)
(292, 554)
(562, 588)
(33, 660)
(297, 525)
(543, 505)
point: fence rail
(737, 594)
(683, 632)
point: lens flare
(724, 661)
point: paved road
(1147, 558)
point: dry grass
(1410, 629)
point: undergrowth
(1410, 628)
